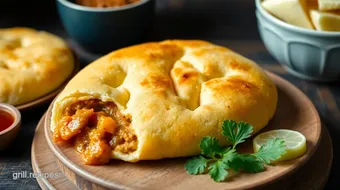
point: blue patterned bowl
(304, 53)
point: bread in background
(306, 13)
(328, 5)
(326, 21)
(294, 12)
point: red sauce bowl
(8, 133)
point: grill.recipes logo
(25, 175)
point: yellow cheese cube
(326, 21)
(326, 5)
(294, 12)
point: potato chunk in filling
(97, 128)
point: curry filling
(96, 128)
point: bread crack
(187, 82)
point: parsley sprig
(218, 160)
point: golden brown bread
(32, 64)
(176, 92)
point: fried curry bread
(32, 64)
(157, 100)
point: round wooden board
(50, 96)
(294, 111)
(311, 176)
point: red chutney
(6, 120)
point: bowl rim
(14, 112)
(287, 26)
(75, 6)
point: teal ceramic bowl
(304, 53)
(101, 30)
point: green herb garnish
(218, 160)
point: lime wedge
(295, 142)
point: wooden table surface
(230, 23)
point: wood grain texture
(43, 161)
(311, 176)
(294, 111)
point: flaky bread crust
(176, 91)
(32, 64)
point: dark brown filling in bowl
(97, 128)
(105, 3)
